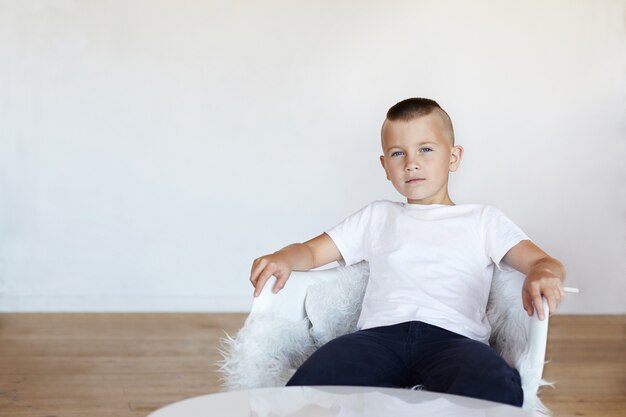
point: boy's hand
(544, 276)
(541, 282)
(265, 267)
(296, 257)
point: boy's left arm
(544, 276)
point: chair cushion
(333, 304)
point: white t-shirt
(430, 263)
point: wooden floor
(127, 365)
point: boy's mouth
(414, 180)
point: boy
(423, 316)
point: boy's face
(418, 156)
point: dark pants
(409, 354)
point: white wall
(149, 150)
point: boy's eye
(396, 153)
(426, 149)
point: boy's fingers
(262, 269)
(257, 267)
(259, 285)
(552, 304)
(538, 303)
(254, 264)
(281, 278)
(527, 303)
(261, 280)
(554, 300)
(527, 309)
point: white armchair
(284, 329)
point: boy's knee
(504, 387)
(501, 384)
(496, 382)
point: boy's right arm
(314, 253)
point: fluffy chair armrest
(289, 302)
(521, 340)
(538, 338)
(265, 352)
(531, 363)
(274, 340)
(277, 336)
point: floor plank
(588, 366)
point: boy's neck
(426, 202)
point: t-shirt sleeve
(350, 236)
(500, 235)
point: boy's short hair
(415, 107)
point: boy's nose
(412, 162)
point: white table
(337, 402)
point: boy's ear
(456, 154)
(382, 162)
